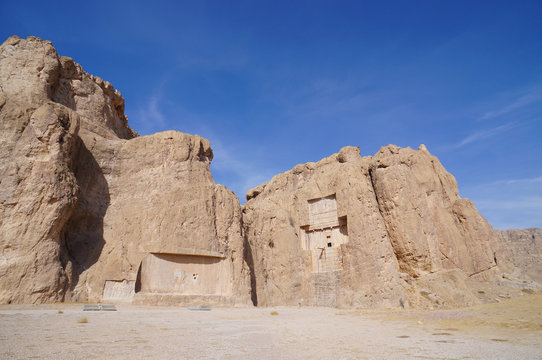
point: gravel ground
(57, 332)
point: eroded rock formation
(38, 193)
(430, 226)
(92, 211)
(388, 230)
(519, 255)
(317, 237)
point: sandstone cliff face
(38, 193)
(409, 238)
(163, 200)
(23, 88)
(357, 269)
(91, 211)
(85, 200)
(430, 226)
(519, 254)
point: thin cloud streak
(151, 112)
(532, 96)
(487, 133)
(520, 181)
(149, 117)
(512, 203)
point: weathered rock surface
(38, 193)
(276, 222)
(91, 211)
(410, 238)
(519, 254)
(430, 226)
(85, 200)
(163, 200)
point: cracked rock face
(38, 193)
(519, 254)
(430, 226)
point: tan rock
(23, 88)
(147, 209)
(316, 237)
(430, 226)
(37, 196)
(91, 211)
(351, 231)
(165, 216)
(519, 254)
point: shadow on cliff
(247, 254)
(83, 234)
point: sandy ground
(508, 330)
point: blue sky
(275, 83)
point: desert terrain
(511, 329)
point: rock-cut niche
(185, 274)
(324, 234)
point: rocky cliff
(89, 210)
(519, 255)
(38, 193)
(317, 237)
(92, 211)
(384, 231)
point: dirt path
(294, 333)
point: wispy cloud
(533, 95)
(322, 100)
(151, 112)
(486, 133)
(513, 213)
(520, 181)
(149, 116)
(509, 203)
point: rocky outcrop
(430, 227)
(163, 200)
(91, 210)
(519, 254)
(38, 193)
(295, 254)
(409, 239)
